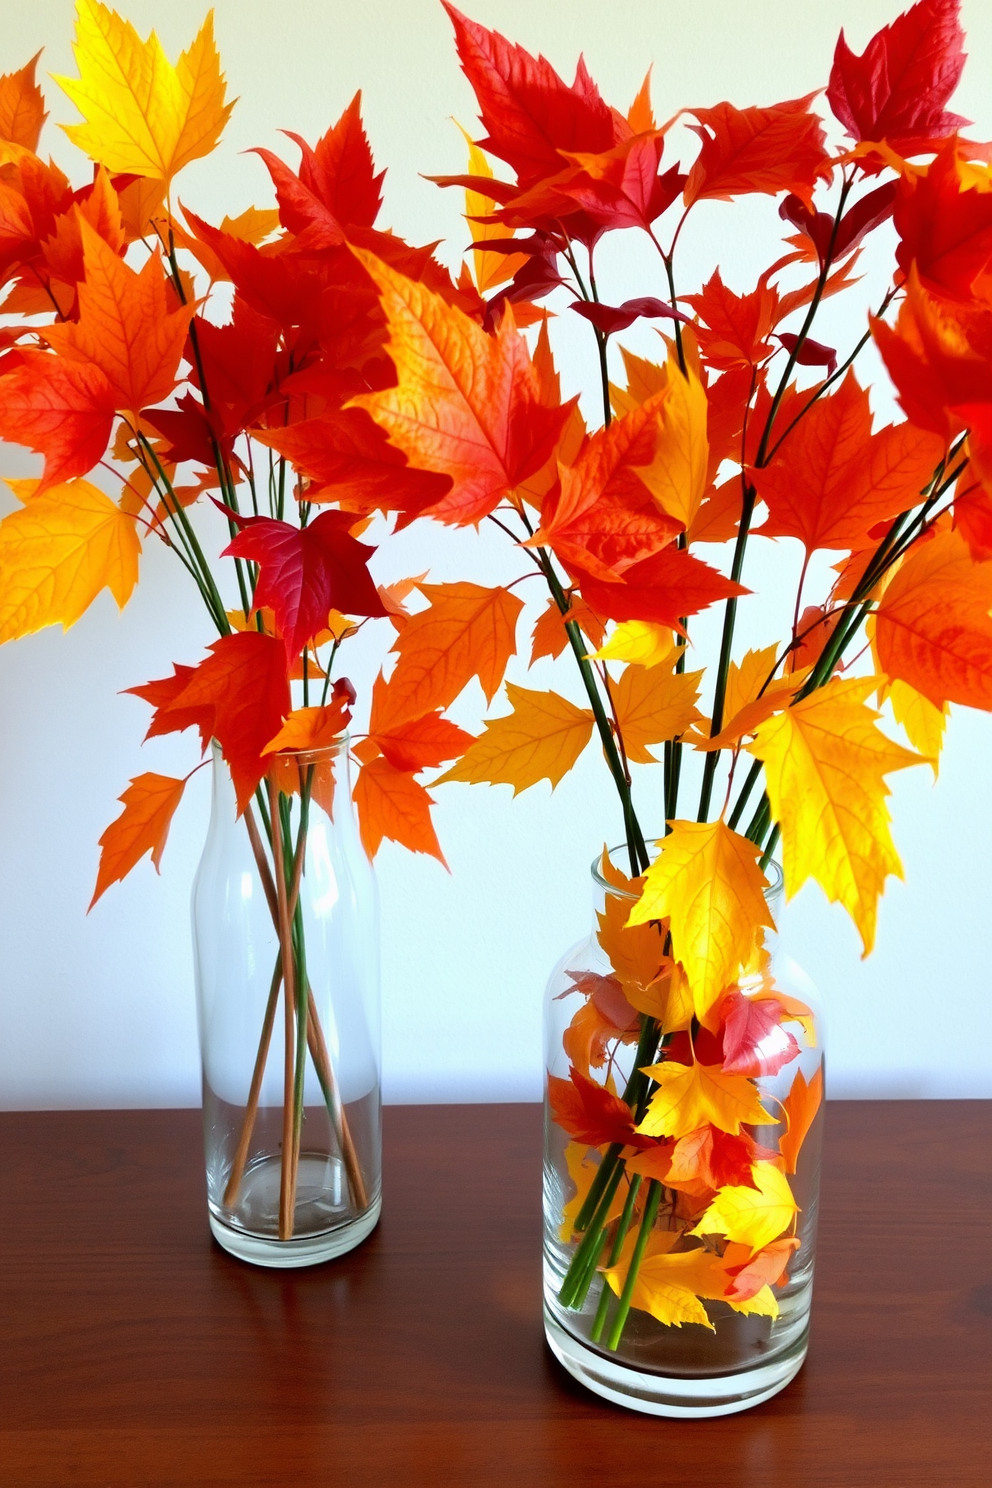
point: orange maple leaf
(150, 803)
(129, 326)
(834, 480)
(467, 631)
(540, 740)
(932, 626)
(757, 149)
(800, 1106)
(22, 107)
(466, 404)
(392, 804)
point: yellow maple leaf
(57, 553)
(707, 882)
(651, 982)
(652, 707)
(676, 476)
(582, 1163)
(491, 269)
(753, 1216)
(750, 697)
(540, 740)
(142, 115)
(672, 1285)
(825, 765)
(644, 379)
(640, 642)
(690, 1095)
(923, 721)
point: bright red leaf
(590, 1113)
(305, 572)
(62, 409)
(896, 90)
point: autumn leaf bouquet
(684, 1070)
(199, 386)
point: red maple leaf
(590, 1113)
(661, 588)
(530, 112)
(897, 88)
(945, 230)
(336, 184)
(307, 571)
(239, 696)
(63, 409)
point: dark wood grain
(133, 1351)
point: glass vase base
(301, 1250)
(663, 1395)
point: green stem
(640, 1245)
(583, 1265)
(614, 1255)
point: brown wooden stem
(287, 1187)
(325, 1074)
(248, 1124)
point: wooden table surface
(134, 1353)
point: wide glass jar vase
(681, 1168)
(285, 942)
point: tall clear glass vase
(678, 1253)
(285, 939)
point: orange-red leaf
(467, 404)
(310, 729)
(239, 695)
(150, 802)
(392, 804)
(800, 1105)
(661, 589)
(22, 107)
(63, 410)
(129, 325)
(467, 631)
(589, 1112)
(833, 479)
(933, 628)
(757, 149)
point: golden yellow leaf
(707, 882)
(763, 1303)
(825, 761)
(57, 553)
(652, 707)
(751, 698)
(670, 1284)
(676, 476)
(651, 982)
(923, 721)
(143, 116)
(753, 1216)
(582, 1170)
(640, 642)
(644, 379)
(253, 225)
(689, 1095)
(491, 269)
(540, 740)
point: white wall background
(98, 1011)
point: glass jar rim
(772, 870)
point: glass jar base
(663, 1395)
(304, 1250)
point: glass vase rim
(334, 750)
(772, 870)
